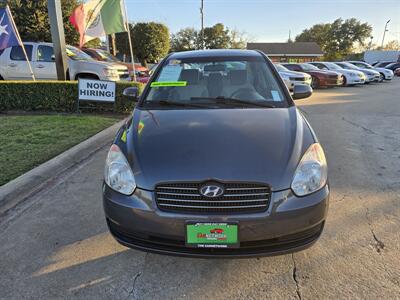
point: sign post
(58, 38)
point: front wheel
(315, 82)
(381, 77)
(344, 81)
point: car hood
(383, 70)
(349, 72)
(323, 72)
(253, 145)
(293, 73)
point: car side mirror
(131, 92)
(301, 91)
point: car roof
(216, 53)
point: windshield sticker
(123, 136)
(170, 73)
(276, 96)
(168, 83)
(140, 127)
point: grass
(28, 141)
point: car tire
(1, 77)
(344, 81)
(315, 82)
(381, 77)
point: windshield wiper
(230, 101)
(173, 103)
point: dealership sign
(96, 90)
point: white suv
(13, 64)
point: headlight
(311, 173)
(284, 76)
(118, 174)
(110, 72)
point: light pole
(384, 32)
(202, 23)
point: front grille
(237, 198)
(297, 78)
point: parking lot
(56, 244)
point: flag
(8, 34)
(97, 18)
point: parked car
(292, 78)
(209, 149)
(385, 73)
(382, 64)
(319, 78)
(13, 65)
(371, 75)
(393, 66)
(350, 77)
(142, 73)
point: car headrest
(215, 68)
(191, 76)
(238, 77)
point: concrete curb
(28, 184)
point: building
(289, 52)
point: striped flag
(97, 18)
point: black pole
(57, 36)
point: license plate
(212, 235)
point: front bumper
(355, 80)
(289, 224)
(331, 81)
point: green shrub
(57, 96)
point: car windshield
(362, 65)
(308, 67)
(215, 82)
(348, 66)
(332, 66)
(76, 54)
(106, 56)
(280, 68)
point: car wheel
(381, 77)
(344, 81)
(1, 77)
(315, 82)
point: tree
(217, 37)
(150, 41)
(238, 39)
(185, 39)
(337, 39)
(392, 45)
(32, 20)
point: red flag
(77, 19)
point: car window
(190, 81)
(77, 54)
(318, 65)
(18, 54)
(293, 67)
(309, 67)
(45, 53)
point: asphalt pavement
(56, 244)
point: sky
(269, 20)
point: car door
(17, 67)
(44, 66)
